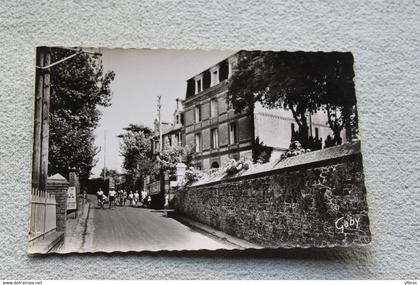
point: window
(177, 119)
(234, 156)
(292, 128)
(231, 63)
(316, 133)
(197, 142)
(214, 80)
(232, 134)
(214, 138)
(213, 108)
(179, 139)
(197, 114)
(198, 84)
(169, 140)
(229, 105)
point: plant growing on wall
(261, 153)
(234, 167)
(295, 148)
(192, 175)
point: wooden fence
(43, 214)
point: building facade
(219, 134)
(210, 125)
(172, 133)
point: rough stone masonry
(316, 199)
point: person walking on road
(131, 198)
(112, 196)
(124, 196)
(121, 197)
(99, 197)
(149, 201)
(136, 198)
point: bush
(260, 152)
(295, 148)
(192, 175)
(234, 166)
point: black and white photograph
(160, 149)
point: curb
(240, 243)
(55, 242)
(46, 246)
(85, 222)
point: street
(135, 229)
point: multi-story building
(172, 133)
(219, 134)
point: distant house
(172, 133)
(219, 134)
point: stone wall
(315, 199)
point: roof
(213, 65)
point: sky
(140, 76)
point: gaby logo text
(342, 223)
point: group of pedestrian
(119, 198)
(134, 198)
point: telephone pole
(159, 105)
(104, 155)
(41, 119)
(41, 113)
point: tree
(302, 82)
(135, 148)
(261, 153)
(172, 155)
(243, 93)
(139, 160)
(78, 87)
(338, 95)
(110, 173)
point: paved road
(135, 229)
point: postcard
(150, 150)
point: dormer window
(214, 76)
(198, 84)
(231, 65)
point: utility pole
(41, 120)
(162, 175)
(45, 123)
(104, 155)
(39, 93)
(159, 105)
(41, 113)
